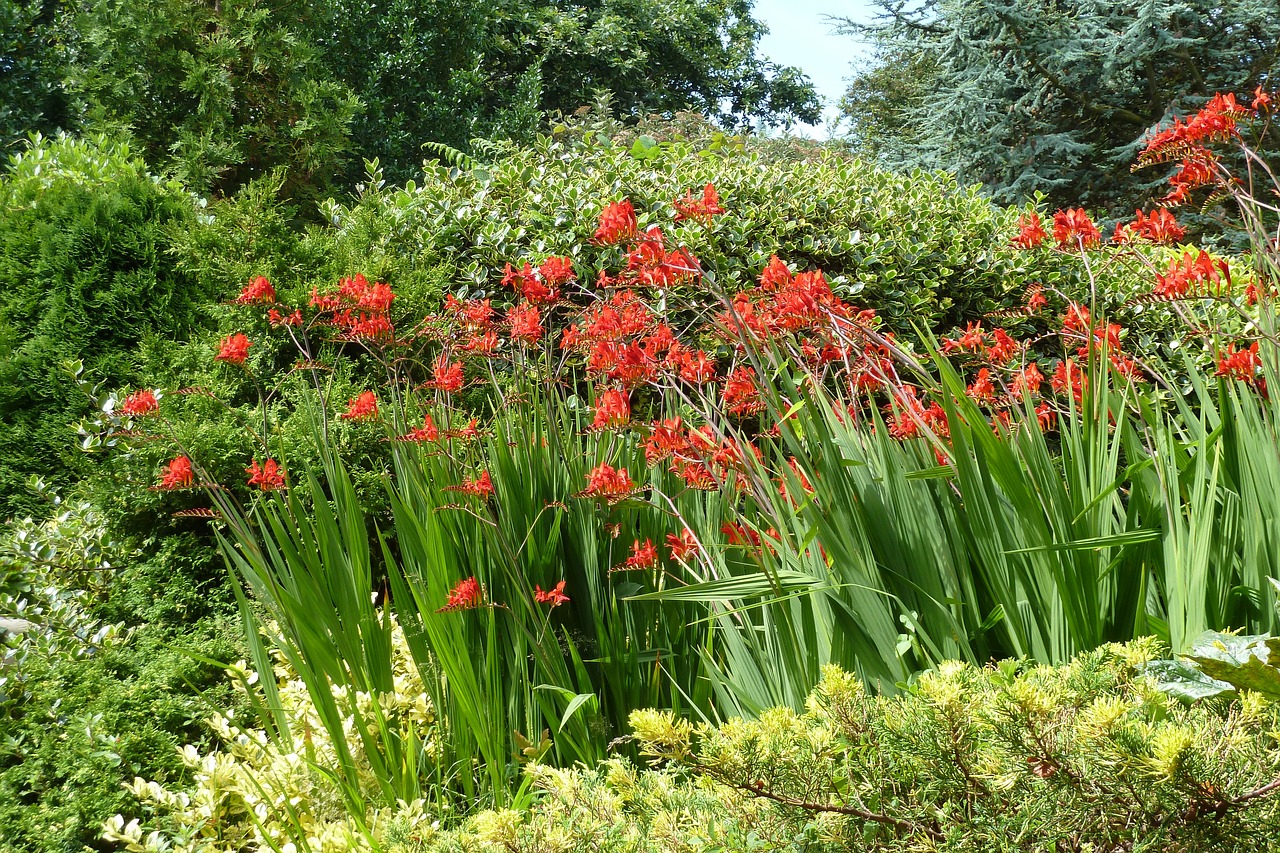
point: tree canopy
(1051, 96)
(222, 93)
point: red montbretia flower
(258, 291)
(447, 377)
(480, 487)
(1035, 299)
(683, 546)
(1158, 227)
(982, 390)
(556, 271)
(776, 275)
(177, 474)
(608, 482)
(973, 340)
(617, 223)
(553, 597)
(362, 407)
(526, 323)
(1068, 378)
(275, 318)
(1073, 228)
(427, 432)
(1031, 232)
(268, 477)
(613, 409)
(703, 209)
(1239, 364)
(466, 595)
(1028, 380)
(234, 349)
(643, 556)
(741, 396)
(1191, 276)
(140, 403)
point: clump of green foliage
(85, 273)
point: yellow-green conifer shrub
(1089, 756)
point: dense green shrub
(84, 274)
(90, 725)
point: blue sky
(800, 35)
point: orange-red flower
(465, 595)
(643, 556)
(140, 403)
(259, 290)
(741, 396)
(556, 271)
(1239, 364)
(275, 318)
(526, 323)
(362, 407)
(480, 487)
(177, 474)
(702, 209)
(617, 223)
(683, 546)
(427, 432)
(1068, 378)
(1031, 232)
(553, 597)
(613, 409)
(605, 481)
(1073, 228)
(447, 377)
(269, 476)
(234, 349)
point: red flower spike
(275, 318)
(526, 323)
(427, 432)
(682, 547)
(234, 349)
(362, 407)
(1239, 364)
(140, 403)
(258, 291)
(1074, 229)
(613, 409)
(605, 481)
(553, 597)
(177, 474)
(982, 390)
(1067, 377)
(741, 396)
(480, 487)
(465, 595)
(447, 377)
(1028, 380)
(775, 276)
(617, 223)
(642, 556)
(556, 271)
(1031, 232)
(1035, 299)
(702, 210)
(269, 477)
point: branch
(1069, 92)
(758, 790)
